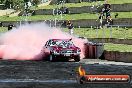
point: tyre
(77, 58)
(82, 80)
(66, 59)
(51, 58)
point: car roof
(60, 39)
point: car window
(61, 43)
(66, 43)
(46, 43)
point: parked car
(63, 49)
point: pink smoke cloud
(27, 41)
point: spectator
(107, 11)
(109, 20)
(10, 26)
(106, 6)
(0, 24)
(101, 19)
(64, 24)
(64, 10)
(108, 16)
(103, 11)
(70, 27)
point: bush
(14, 4)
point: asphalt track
(40, 74)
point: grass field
(64, 17)
(84, 4)
(119, 33)
(3, 29)
(118, 47)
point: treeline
(18, 4)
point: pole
(111, 32)
(90, 31)
(50, 23)
(103, 32)
(61, 15)
(20, 23)
(125, 33)
(53, 12)
(55, 21)
(97, 32)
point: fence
(85, 23)
(111, 40)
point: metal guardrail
(119, 25)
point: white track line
(110, 63)
(35, 81)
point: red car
(63, 49)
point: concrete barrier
(73, 1)
(66, 1)
(87, 9)
(111, 40)
(93, 50)
(121, 7)
(78, 10)
(118, 56)
(82, 23)
(43, 12)
(2, 6)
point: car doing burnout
(63, 49)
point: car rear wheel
(52, 58)
(77, 58)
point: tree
(15, 4)
(2, 1)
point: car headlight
(55, 52)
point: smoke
(26, 42)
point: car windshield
(62, 43)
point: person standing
(10, 26)
(101, 19)
(70, 27)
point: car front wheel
(77, 58)
(51, 58)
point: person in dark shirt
(0, 24)
(106, 6)
(10, 26)
(107, 12)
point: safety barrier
(118, 56)
(93, 50)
